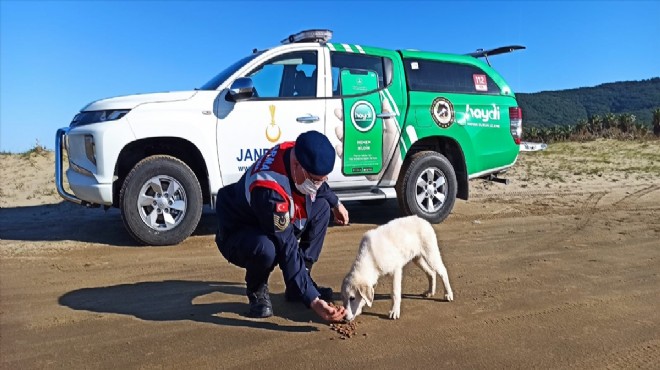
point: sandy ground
(558, 269)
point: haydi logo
(363, 116)
(483, 114)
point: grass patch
(594, 171)
(648, 169)
(609, 158)
(36, 150)
(554, 176)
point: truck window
(436, 76)
(340, 60)
(218, 79)
(291, 75)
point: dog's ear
(367, 293)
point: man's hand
(327, 312)
(341, 214)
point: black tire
(171, 201)
(436, 171)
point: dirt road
(543, 277)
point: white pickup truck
(406, 124)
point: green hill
(567, 107)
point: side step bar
(494, 178)
(361, 194)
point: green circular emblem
(363, 116)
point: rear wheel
(427, 186)
(161, 201)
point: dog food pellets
(345, 330)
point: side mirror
(241, 88)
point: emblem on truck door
(442, 111)
(363, 116)
(273, 131)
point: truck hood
(132, 101)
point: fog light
(90, 148)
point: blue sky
(57, 56)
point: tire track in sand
(636, 195)
(645, 355)
(557, 309)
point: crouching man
(278, 214)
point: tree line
(568, 107)
(611, 126)
(621, 110)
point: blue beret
(315, 153)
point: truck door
(362, 82)
(362, 140)
(285, 103)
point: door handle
(385, 115)
(307, 119)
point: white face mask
(307, 187)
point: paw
(449, 296)
(395, 314)
(428, 294)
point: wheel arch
(176, 147)
(452, 150)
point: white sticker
(480, 82)
(414, 65)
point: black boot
(260, 305)
(325, 293)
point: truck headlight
(89, 117)
(111, 115)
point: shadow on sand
(173, 300)
(68, 221)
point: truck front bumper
(84, 186)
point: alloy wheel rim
(162, 203)
(431, 190)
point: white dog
(385, 250)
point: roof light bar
(318, 35)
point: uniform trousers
(252, 249)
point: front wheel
(427, 186)
(161, 201)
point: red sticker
(480, 82)
(282, 207)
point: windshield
(224, 75)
